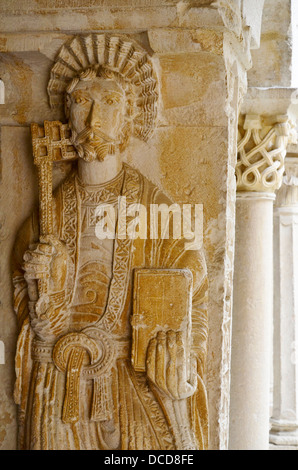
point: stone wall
(272, 62)
(201, 54)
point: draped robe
(118, 408)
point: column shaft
(259, 172)
(284, 421)
(252, 319)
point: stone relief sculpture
(261, 153)
(88, 377)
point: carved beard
(92, 144)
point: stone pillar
(284, 421)
(259, 170)
(201, 51)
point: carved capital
(287, 196)
(262, 149)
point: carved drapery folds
(77, 386)
(261, 153)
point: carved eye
(80, 100)
(110, 101)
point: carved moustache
(91, 144)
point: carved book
(161, 302)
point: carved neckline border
(132, 189)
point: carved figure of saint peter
(76, 386)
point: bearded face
(92, 144)
(96, 117)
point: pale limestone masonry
(217, 64)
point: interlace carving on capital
(261, 154)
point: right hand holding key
(46, 262)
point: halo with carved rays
(118, 54)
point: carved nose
(93, 117)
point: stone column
(284, 421)
(259, 170)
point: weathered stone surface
(8, 414)
(25, 76)
(184, 105)
(273, 60)
(72, 287)
(162, 301)
(18, 195)
(252, 17)
(186, 40)
(200, 52)
(271, 102)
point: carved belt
(90, 355)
